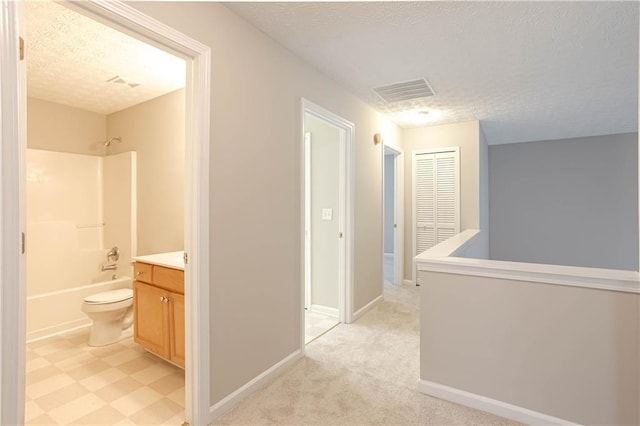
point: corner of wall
(483, 181)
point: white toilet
(111, 313)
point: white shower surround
(78, 206)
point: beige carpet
(358, 374)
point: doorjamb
(398, 211)
(12, 214)
(197, 278)
(346, 290)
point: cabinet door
(151, 318)
(143, 272)
(177, 328)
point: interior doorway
(328, 252)
(393, 215)
(13, 127)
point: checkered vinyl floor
(315, 325)
(71, 383)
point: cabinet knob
(139, 273)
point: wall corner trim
(493, 406)
(223, 406)
(375, 302)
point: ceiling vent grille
(119, 80)
(404, 91)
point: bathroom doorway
(328, 226)
(14, 122)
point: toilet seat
(112, 296)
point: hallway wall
(256, 93)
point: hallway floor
(361, 373)
(71, 383)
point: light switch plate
(327, 214)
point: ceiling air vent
(119, 80)
(397, 92)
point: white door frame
(12, 212)
(346, 213)
(12, 215)
(414, 153)
(398, 210)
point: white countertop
(174, 259)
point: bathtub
(58, 312)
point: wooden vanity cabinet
(158, 309)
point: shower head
(109, 141)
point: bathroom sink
(173, 259)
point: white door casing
(307, 220)
(12, 213)
(436, 198)
(13, 128)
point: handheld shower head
(109, 141)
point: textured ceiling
(527, 70)
(70, 58)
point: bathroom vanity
(158, 305)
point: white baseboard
(493, 406)
(221, 407)
(408, 282)
(325, 310)
(375, 302)
(45, 333)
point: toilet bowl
(111, 312)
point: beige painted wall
(325, 184)
(255, 188)
(155, 131)
(464, 135)
(119, 207)
(567, 352)
(56, 127)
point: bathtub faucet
(109, 267)
(114, 254)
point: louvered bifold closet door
(436, 199)
(425, 181)
(447, 211)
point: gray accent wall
(566, 202)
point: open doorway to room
(64, 394)
(393, 211)
(105, 188)
(327, 227)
